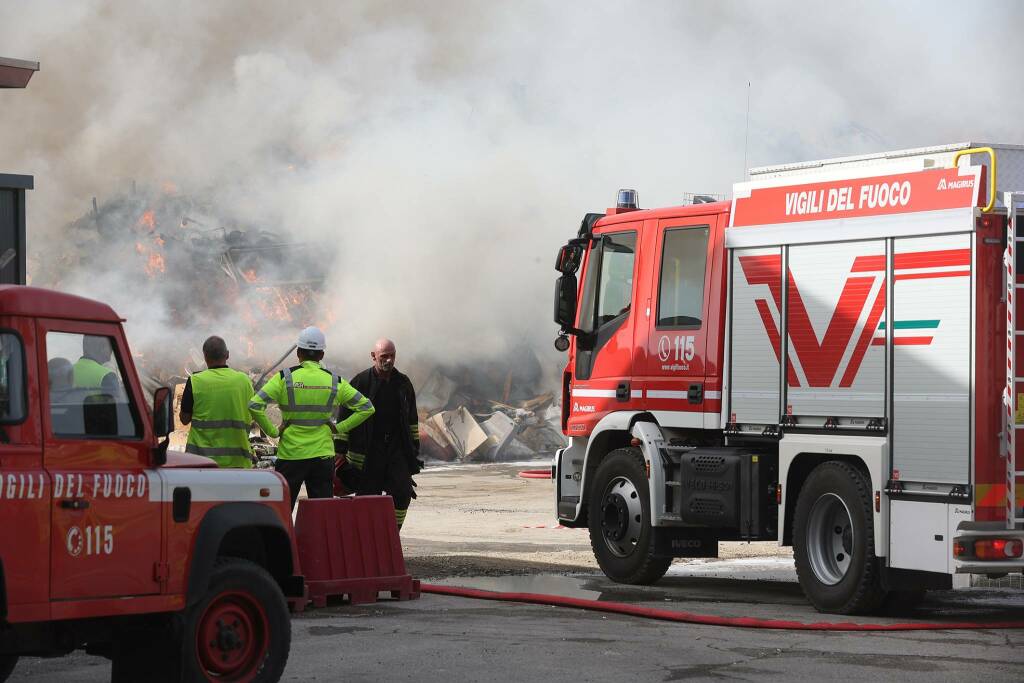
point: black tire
(620, 520)
(7, 664)
(243, 610)
(834, 541)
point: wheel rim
(621, 516)
(233, 637)
(830, 539)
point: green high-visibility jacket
(88, 374)
(221, 417)
(308, 396)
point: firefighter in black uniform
(382, 453)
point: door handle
(74, 504)
(181, 507)
(622, 392)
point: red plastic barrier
(350, 547)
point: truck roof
(46, 303)
(939, 155)
(665, 212)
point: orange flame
(148, 220)
(155, 264)
(276, 308)
(250, 275)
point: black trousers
(316, 473)
(386, 471)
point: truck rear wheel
(620, 520)
(833, 541)
(7, 664)
(240, 630)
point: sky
(441, 152)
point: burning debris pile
(489, 412)
(198, 272)
(182, 270)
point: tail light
(990, 549)
(998, 549)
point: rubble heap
(489, 412)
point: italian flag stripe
(905, 339)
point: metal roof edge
(894, 154)
(19, 63)
(10, 181)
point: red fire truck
(171, 567)
(829, 360)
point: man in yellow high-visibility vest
(91, 370)
(216, 404)
(308, 396)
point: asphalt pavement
(445, 639)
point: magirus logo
(955, 184)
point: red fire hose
(535, 474)
(707, 619)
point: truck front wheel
(620, 520)
(240, 630)
(833, 541)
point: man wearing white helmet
(308, 396)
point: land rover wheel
(833, 541)
(620, 520)
(240, 630)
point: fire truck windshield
(608, 290)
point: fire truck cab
(171, 567)
(827, 360)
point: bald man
(384, 451)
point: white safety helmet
(312, 339)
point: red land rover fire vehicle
(830, 360)
(173, 568)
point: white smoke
(441, 152)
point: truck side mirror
(569, 257)
(163, 412)
(565, 300)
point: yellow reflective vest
(308, 396)
(221, 417)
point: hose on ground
(707, 619)
(535, 474)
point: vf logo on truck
(821, 358)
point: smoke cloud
(439, 153)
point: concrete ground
(484, 527)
